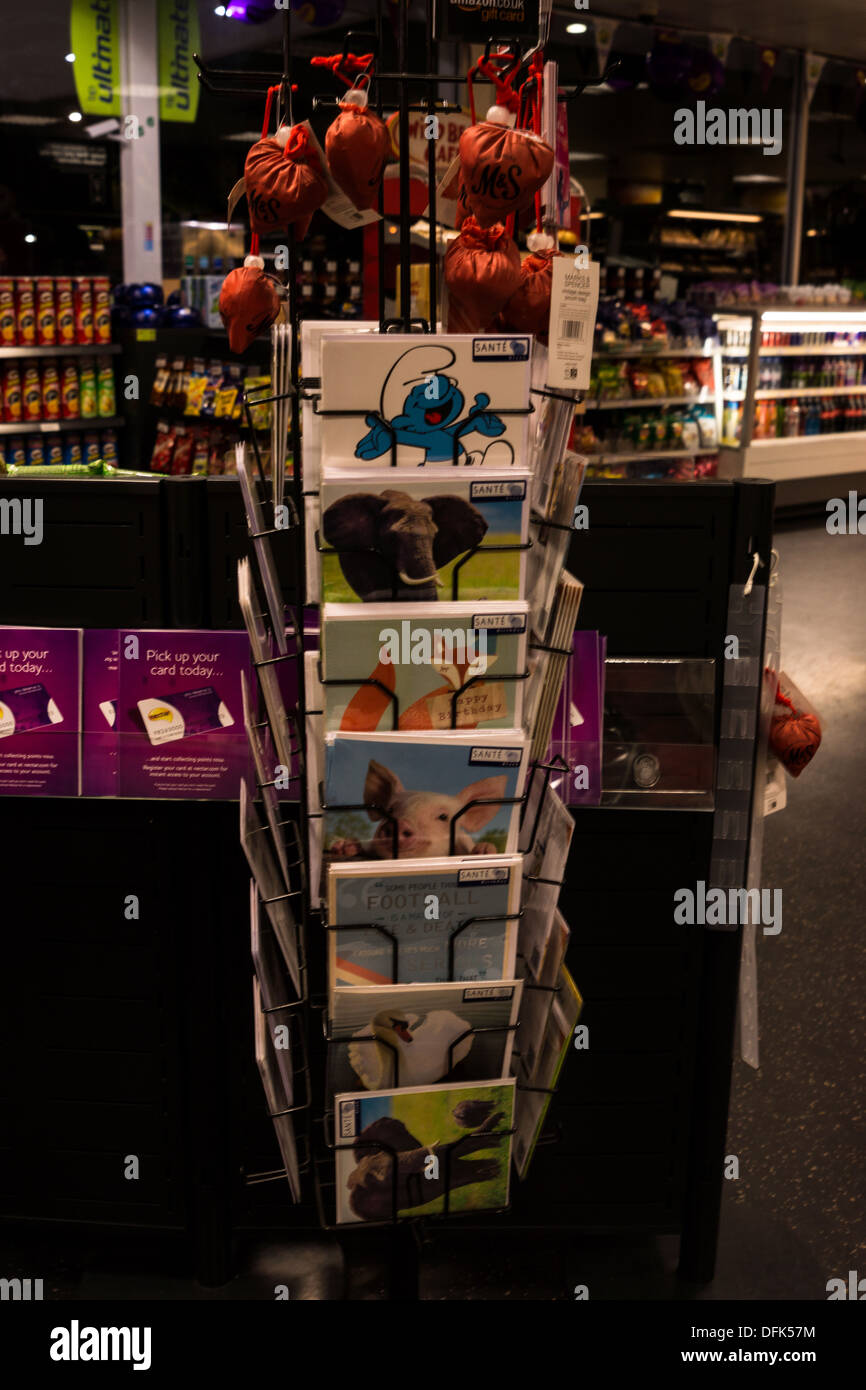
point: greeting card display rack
(641, 1134)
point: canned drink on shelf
(101, 309)
(64, 304)
(105, 388)
(87, 388)
(31, 393)
(16, 452)
(8, 324)
(70, 391)
(91, 448)
(72, 452)
(12, 402)
(50, 392)
(25, 312)
(109, 447)
(83, 310)
(46, 313)
(35, 450)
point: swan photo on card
(417, 536)
(444, 398)
(418, 1035)
(423, 920)
(409, 796)
(400, 1152)
(459, 666)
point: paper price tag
(573, 307)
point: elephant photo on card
(411, 536)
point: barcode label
(572, 328)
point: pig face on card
(422, 820)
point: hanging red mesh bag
(528, 309)
(249, 302)
(358, 147)
(283, 186)
(482, 271)
(795, 729)
(503, 169)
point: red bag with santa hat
(357, 143)
(502, 167)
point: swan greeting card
(418, 1035)
(406, 400)
(455, 666)
(422, 796)
(409, 536)
(423, 920)
(416, 1152)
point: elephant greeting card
(417, 1035)
(423, 667)
(416, 1152)
(404, 400)
(423, 920)
(416, 536)
(415, 796)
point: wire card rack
(285, 1003)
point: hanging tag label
(234, 198)
(573, 307)
(337, 206)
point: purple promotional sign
(40, 711)
(180, 727)
(99, 713)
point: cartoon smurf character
(423, 407)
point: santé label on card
(573, 307)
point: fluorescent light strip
(716, 216)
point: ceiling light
(575, 28)
(75, 116)
(21, 118)
(716, 216)
(220, 10)
(70, 57)
(757, 178)
(30, 238)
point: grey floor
(795, 1216)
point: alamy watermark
(22, 516)
(846, 517)
(405, 646)
(720, 907)
(737, 126)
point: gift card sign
(478, 20)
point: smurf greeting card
(431, 399)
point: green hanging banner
(94, 38)
(178, 40)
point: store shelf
(67, 350)
(787, 392)
(798, 457)
(810, 351)
(654, 352)
(647, 455)
(638, 402)
(111, 422)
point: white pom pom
(500, 115)
(540, 241)
(282, 136)
(356, 97)
(254, 262)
